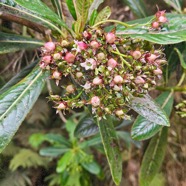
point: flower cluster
(102, 70)
(160, 19)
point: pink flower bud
(112, 63)
(110, 37)
(79, 74)
(155, 25)
(160, 13)
(151, 58)
(57, 56)
(97, 81)
(82, 45)
(70, 89)
(61, 106)
(136, 54)
(139, 80)
(69, 57)
(118, 79)
(95, 101)
(87, 35)
(46, 59)
(49, 46)
(56, 75)
(119, 112)
(101, 56)
(94, 44)
(42, 65)
(157, 71)
(162, 19)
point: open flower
(89, 64)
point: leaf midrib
(20, 96)
(22, 41)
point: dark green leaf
(182, 61)
(16, 102)
(111, 147)
(53, 151)
(174, 32)
(92, 167)
(57, 5)
(24, 72)
(12, 43)
(103, 15)
(71, 8)
(93, 17)
(149, 109)
(137, 7)
(142, 128)
(91, 142)
(153, 157)
(94, 6)
(175, 4)
(86, 127)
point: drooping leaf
(29, 11)
(12, 43)
(92, 167)
(173, 32)
(111, 147)
(103, 15)
(94, 6)
(71, 8)
(180, 55)
(149, 109)
(137, 7)
(176, 4)
(153, 157)
(58, 7)
(16, 102)
(53, 151)
(142, 128)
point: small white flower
(89, 64)
(87, 85)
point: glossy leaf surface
(12, 43)
(153, 157)
(173, 32)
(149, 109)
(137, 7)
(16, 102)
(111, 147)
(142, 128)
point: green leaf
(149, 109)
(180, 55)
(111, 147)
(94, 6)
(12, 43)
(57, 5)
(93, 17)
(174, 32)
(92, 167)
(16, 102)
(175, 4)
(86, 127)
(53, 151)
(70, 127)
(64, 161)
(29, 11)
(142, 128)
(91, 142)
(24, 72)
(103, 15)
(71, 8)
(153, 157)
(137, 7)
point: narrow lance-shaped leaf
(142, 128)
(175, 4)
(181, 58)
(137, 7)
(94, 6)
(16, 102)
(103, 15)
(148, 108)
(58, 7)
(173, 32)
(111, 147)
(71, 8)
(153, 157)
(12, 43)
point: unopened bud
(162, 19)
(64, 43)
(69, 58)
(157, 71)
(49, 46)
(101, 56)
(97, 81)
(112, 63)
(160, 13)
(46, 59)
(118, 79)
(82, 45)
(56, 75)
(151, 58)
(110, 37)
(86, 35)
(57, 56)
(139, 80)
(94, 44)
(119, 112)
(136, 54)
(95, 101)
(155, 25)
(79, 74)
(70, 89)
(61, 106)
